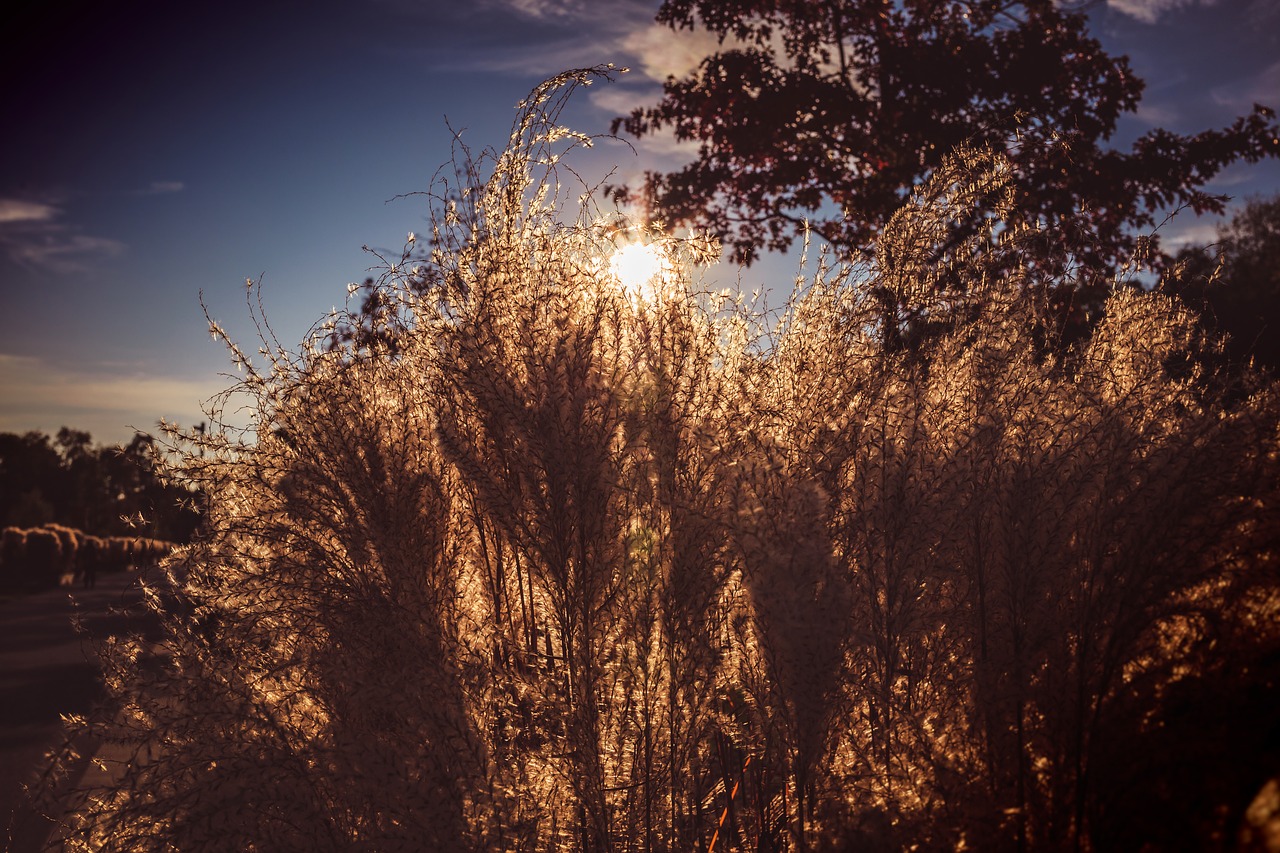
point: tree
(830, 113)
(92, 500)
(31, 478)
(1236, 283)
(98, 489)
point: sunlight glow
(636, 265)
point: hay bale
(13, 556)
(44, 559)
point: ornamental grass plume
(511, 558)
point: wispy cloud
(621, 100)
(56, 250)
(579, 33)
(163, 188)
(545, 9)
(1184, 232)
(32, 237)
(1150, 11)
(1262, 88)
(17, 210)
(1159, 114)
(1263, 14)
(559, 34)
(44, 396)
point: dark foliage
(1236, 283)
(115, 490)
(831, 112)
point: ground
(46, 670)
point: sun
(636, 265)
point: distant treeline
(44, 557)
(104, 490)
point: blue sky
(154, 150)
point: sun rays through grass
(543, 545)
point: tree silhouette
(1236, 282)
(111, 490)
(827, 115)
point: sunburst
(638, 267)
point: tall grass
(515, 559)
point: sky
(156, 151)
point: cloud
(578, 11)
(621, 99)
(544, 9)
(32, 238)
(1189, 232)
(1158, 114)
(662, 52)
(1262, 88)
(164, 187)
(662, 144)
(547, 36)
(1263, 14)
(17, 210)
(58, 251)
(44, 396)
(550, 35)
(1150, 11)
(658, 52)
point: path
(46, 670)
